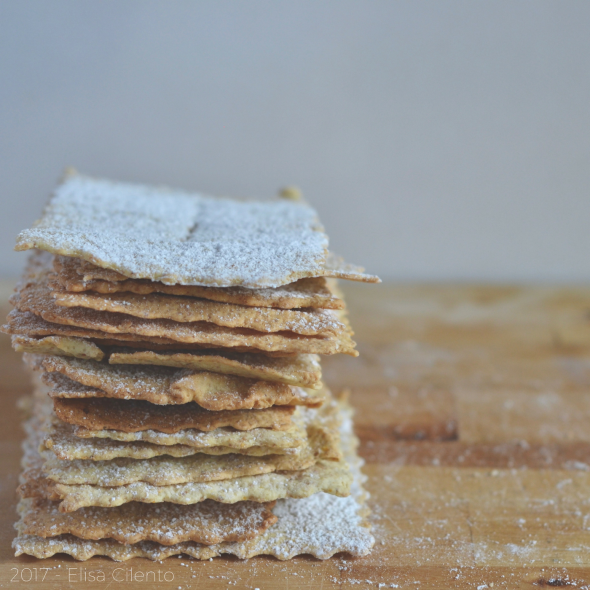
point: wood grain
(473, 409)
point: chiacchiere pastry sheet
(60, 438)
(167, 385)
(75, 276)
(302, 370)
(279, 440)
(59, 345)
(69, 441)
(206, 523)
(293, 440)
(312, 322)
(322, 444)
(133, 416)
(342, 527)
(168, 471)
(27, 324)
(66, 388)
(327, 473)
(34, 296)
(181, 238)
(334, 268)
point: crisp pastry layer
(175, 237)
(206, 523)
(167, 385)
(62, 441)
(309, 322)
(133, 416)
(320, 525)
(327, 472)
(78, 276)
(301, 370)
(34, 296)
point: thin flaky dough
(24, 323)
(167, 385)
(168, 471)
(207, 523)
(34, 296)
(301, 370)
(76, 276)
(90, 272)
(332, 477)
(290, 441)
(179, 238)
(305, 423)
(323, 443)
(45, 432)
(308, 322)
(319, 439)
(30, 325)
(59, 345)
(240, 439)
(61, 440)
(133, 416)
(342, 528)
(328, 476)
(335, 267)
(64, 387)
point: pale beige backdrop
(438, 139)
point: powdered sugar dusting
(180, 238)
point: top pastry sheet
(182, 238)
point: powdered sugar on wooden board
(180, 238)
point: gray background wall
(438, 139)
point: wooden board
(473, 408)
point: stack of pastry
(178, 401)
